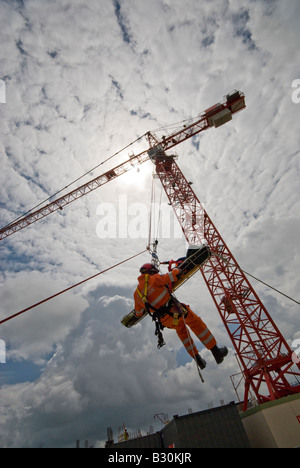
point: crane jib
(215, 116)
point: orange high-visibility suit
(158, 296)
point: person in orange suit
(153, 294)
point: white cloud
(82, 81)
(100, 370)
(37, 332)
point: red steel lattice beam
(216, 115)
(265, 356)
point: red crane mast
(265, 357)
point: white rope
(190, 342)
(192, 347)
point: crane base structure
(265, 356)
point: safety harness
(144, 296)
(158, 313)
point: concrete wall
(275, 424)
(149, 441)
(219, 427)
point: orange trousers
(196, 324)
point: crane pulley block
(157, 152)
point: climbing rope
(151, 214)
(70, 287)
(192, 347)
(179, 306)
(271, 287)
(154, 229)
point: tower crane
(264, 355)
(214, 116)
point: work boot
(200, 361)
(219, 353)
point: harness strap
(158, 333)
(144, 296)
(158, 313)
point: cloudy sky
(83, 80)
